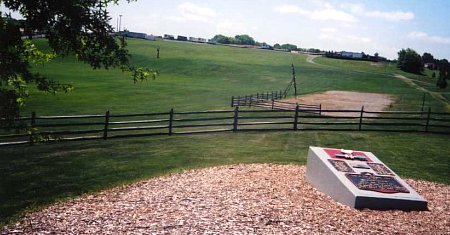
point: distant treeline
(245, 39)
(354, 56)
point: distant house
(169, 37)
(431, 66)
(197, 40)
(150, 37)
(265, 46)
(134, 34)
(353, 55)
(182, 38)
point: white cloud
(332, 14)
(417, 35)
(332, 34)
(391, 15)
(286, 9)
(354, 8)
(230, 27)
(193, 12)
(326, 13)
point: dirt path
(235, 199)
(410, 82)
(310, 59)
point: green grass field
(201, 77)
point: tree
(77, 28)
(410, 61)
(427, 58)
(289, 47)
(277, 46)
(444, 65)
(442, 81)
(219, 38)
(244, 40)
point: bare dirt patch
(238, 199)
(376, 64)
(347, 100)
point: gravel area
(347, 100)
(235, 199)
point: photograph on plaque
(380, 169)
(376, 183)
(341, 165)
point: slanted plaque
(376, 183)
(360, 180)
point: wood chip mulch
(237, 199)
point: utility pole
(120, 22)
(293, 80)
(117, 25)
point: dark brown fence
(108, 126)
(254, 99)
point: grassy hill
(200, 77)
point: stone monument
(360, 180)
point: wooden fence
(254, 99)
(283, 105)
(109, 126)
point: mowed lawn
(199, 77)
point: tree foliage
(410, 61)
(427, 58)
(244, 40)
(238, 39)
(77, 28)
(442, 81)
(288, 47)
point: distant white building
(354, 55)
(169, 37)
(150, 37)
(198, 40)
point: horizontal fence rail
(300, 118)
(255, 99)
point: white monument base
(360, 180)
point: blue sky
(381, 26)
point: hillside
(201, 77)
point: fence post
(239, 101)
(105, 130)
(428, 119)
(360, 118)
(320, 109)
(251, 98)
(273, 102)
(296, 118)
(423, 103)
(236, 119)
(170, 121)
(232, 101)
(32, 125)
